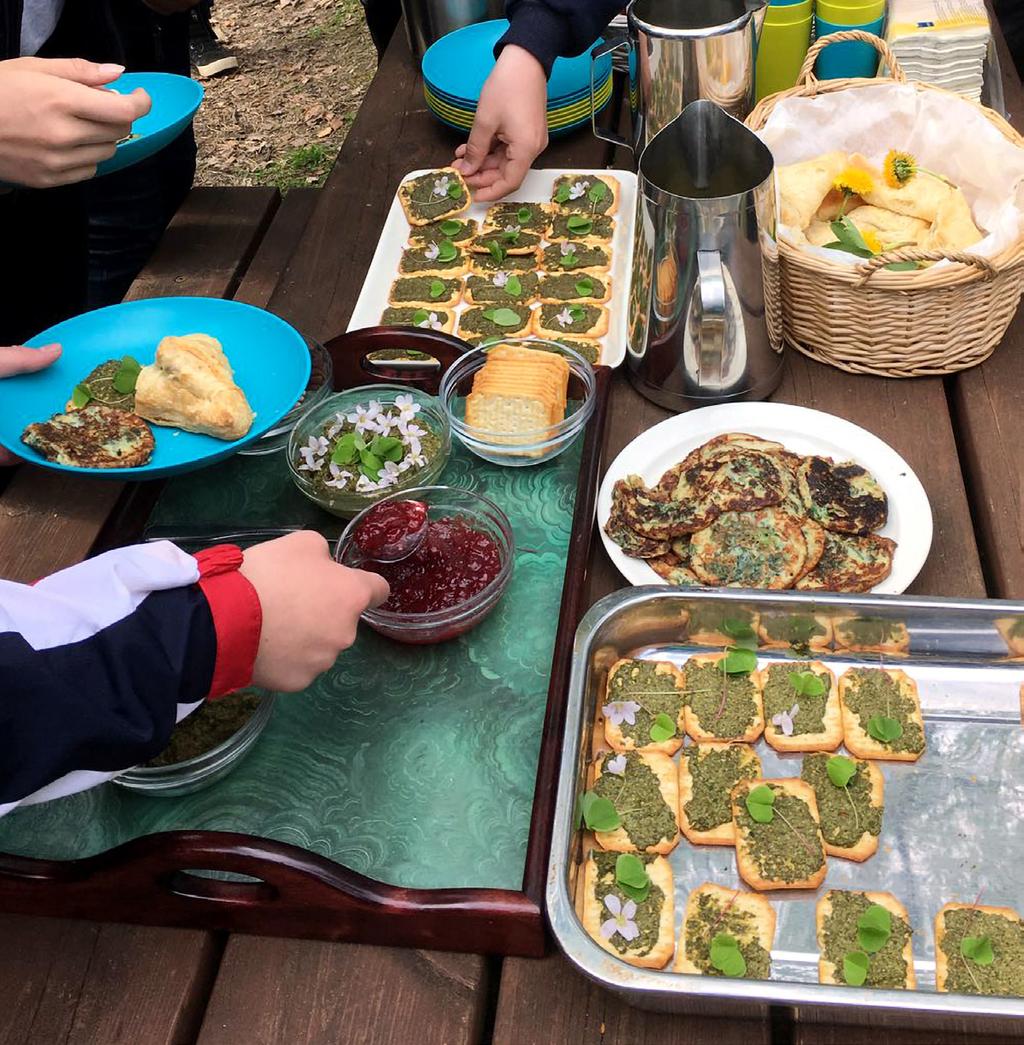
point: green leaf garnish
(726, 956)
(738, 661)
(447, 251)
(384, 447)
(523, 215)
(855, 968)
(421, 315)
(511, 236)
(513, 287)
(978, 949)
(562, 193)
(874, 927)
(598, 813)
(580, 224)
(368, 459)
(450, 227)
(345, 450)
(576, 313)
(80, 396)
(740, 632)
(454, 190)
(806, 683)
(849, 236)
(631, 877)
(568, 260)
(127, 375)
(585, 287)
(883, 729)
(598, 191)
(759, 802)
(663, 728)
(503, 317)
(496, 252)
(436, 289)
(841, 770)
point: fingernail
(110, 69)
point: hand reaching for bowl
(311, 607)
(57, 122)
(21, 360)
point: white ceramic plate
(536, 188)
(801, 430)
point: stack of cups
(848, 60)
(785, 37)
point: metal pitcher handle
(605, 133)
(711, 290)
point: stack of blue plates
(456, 66)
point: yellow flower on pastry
(854, 182)
(899, 168)
(871, 240)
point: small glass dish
(313, 423)
(524, 448)
(422, 628)
(182, 778)
(319, 387)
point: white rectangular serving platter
(536, 188)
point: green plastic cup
(785, 37)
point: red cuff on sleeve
(237, 617)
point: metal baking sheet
(952, 824)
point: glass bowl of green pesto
(205, 746)
(358, 446)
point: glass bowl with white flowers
(358, 446)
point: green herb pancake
(96, 436)
(743, 481)
(653, 514)
(632, 543)
(671, 570)
(762, 549)
(843, 497)
(853, 564)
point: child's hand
(510, 129)
(21, 360)
(57, 122)
(311, 606)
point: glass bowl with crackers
(518, 401)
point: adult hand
(21, 360)
(170, 7)
(311, 607)
(510, 128)
(56, 121)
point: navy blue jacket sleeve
(552, 28)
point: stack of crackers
(519, 395)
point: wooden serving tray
(286, 889)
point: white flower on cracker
(784, 720)
(619, 711)
(500, 278)
(578, 189)
(441, 185)
(432, 252)
(621, 921)
(616, 765)
(564, 318)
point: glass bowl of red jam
(524, 448)
(459, 569)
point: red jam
(387, 529)
(454, 563)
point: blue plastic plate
(600, 75)
(175, 100)
(269, 357)
(458, 64)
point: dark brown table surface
(305, 257)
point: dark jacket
(552, 28)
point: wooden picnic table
(304, 257)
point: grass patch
(337, 22)
(307, 165)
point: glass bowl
(530, 448)
(182, 778)
(318, 388)
(439, 626)
(347, 503)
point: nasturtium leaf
(978, 949)
(80, 396)
(562, 193)
(726, 956)
(421, 315)
(447, 251)
(597, 192)
(585, 287)
(568, 260)
(496, 252)
(451, 227)
(127, 375)
(740, 632)
(345, 451)
(631, 877)
(663, 728)
(523, 215)
(841, 770)
(884, 730)
(759, 803)
(598, 813)
(436, 289)
(874, 927)
(503, 317)
(855, 968)
(454, 190)
(513, 286)
(580, 224)
(738, 661)
(806, 683)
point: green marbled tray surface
(414, 765)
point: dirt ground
(304, 66)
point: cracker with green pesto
(434, 196)
(532, 217)
(586, 288)
(872, 635)
(597, 228)
(801, 706)
(882, 715)
(426, 291)
(723, 697)
(495, 321)
(586, 193)
(851, 798)
(509, 240)
(643, 706)
(553, 321)
(574, 256)
(979, 950)
(796, 631)
(459, 230)
(726, 932)
(864, 939)
(503, 288)
(707, 774)
(434, 259)
(488, 264)
(643, 789)
(426, 317)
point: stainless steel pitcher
(704, 232)
(681, 51)
(429, 20)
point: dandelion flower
(901, 167)
(871, 240)
(854, 182)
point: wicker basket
(893, 324)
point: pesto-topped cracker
(881, 714)
(842, 497)
(643, 789)
(643, 706)
(722, 704)
(712, 624)
(801, 707)
(850, 796)
(585, 288)
(101, 386)
(589, 349)
(570, 318)
(459, 230)
(707, 774)
(508, 240)
(720, 924)
(872, 635)
(849, 563)
(487, 264)
(846, 922)
(434, 196)
(502, 287)
(588, 193)
(597, 227)
(979, 950)
(427, 317)
(531, 216)
(632, 921)
(798, 631)
(499, 321)
(427, 291)
(778, 838)
(570, 256)
(443, 259)
(756, 549)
